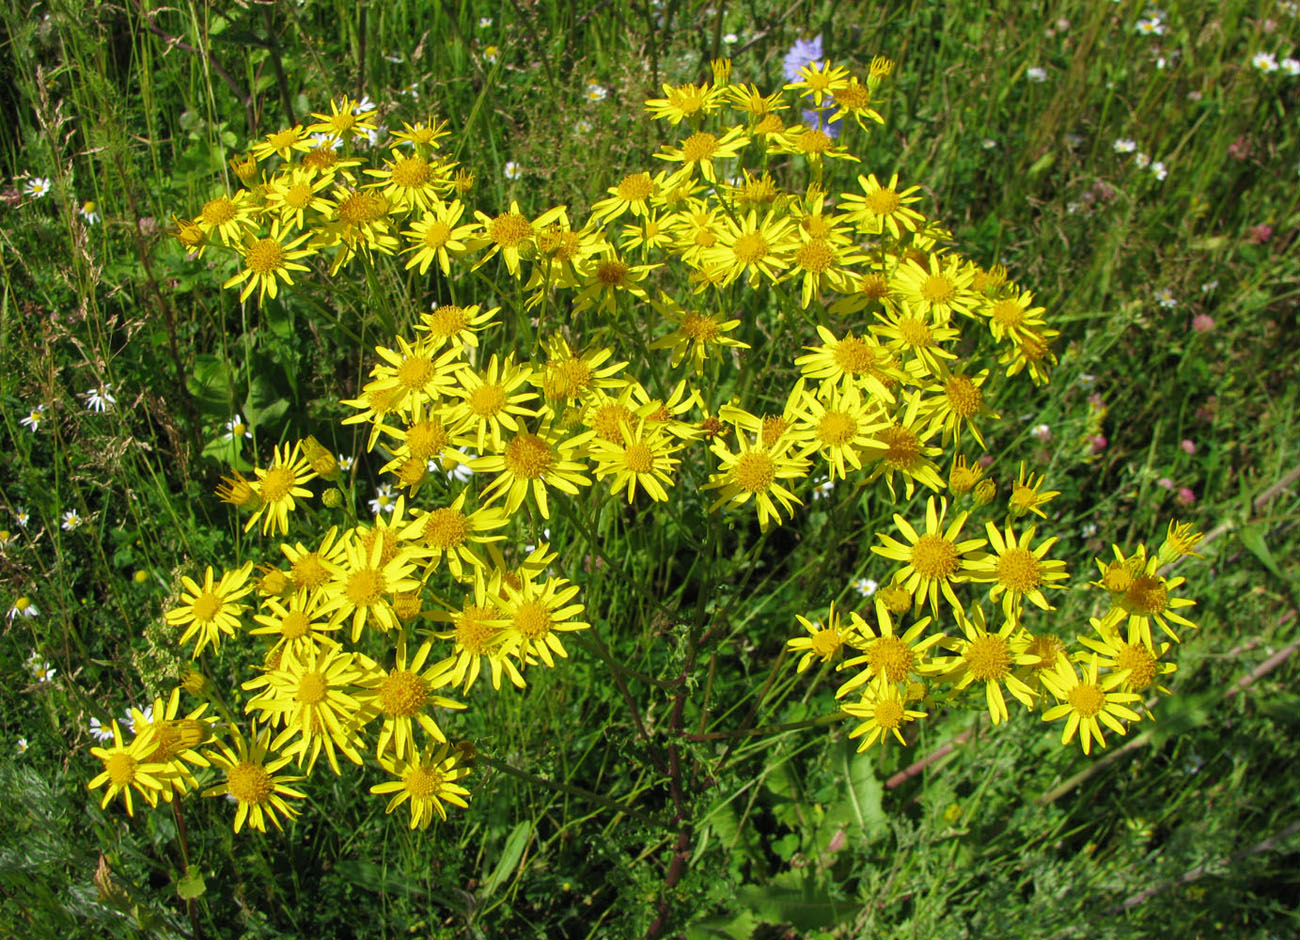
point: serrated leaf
(191, 887)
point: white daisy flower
(1150, 26)
(23, 607)
(1041, 432)
(988, 143)
(236, 427)
(865, 586)
(364, 105)
(321, 139)
(71, 520)
(100, 398)
(457, 468)
(21, 745)
(1159, 170)
(596, 91)
(1089, 530)
(1125, 145)
(37, 186)
(22, 516)
(101, 732)
(512, 170)
(346, 462)
(384, 500)
(484, 22)
(1036, 74)
(90, 211)
(40, 668)
(1291, 66)
(731, 39)
(822, 489)
(582, 126)
(1264, 61)
(1142, 161)
(33, 419)
(1165, 298)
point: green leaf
(1252, 536)
(510, 855)
(191, 887)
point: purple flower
(820, 121)
(800, 54)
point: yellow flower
(697, 334)
(903, 450)
(934, 560)
(436, 236)
(292, 193)
(420, 134)
(415, 372)
(569, 377)
(370, 576)
(211, 610)
(819, 79)
(913, 334)
(127, 767)
(825, 641)
(409, 182)
(297, 626)
(992, 658)
(277, 486)
(175, 741)
(1032, 352)
(698, 152)
(427, 781)
(642, 454)
(310, 695)
(283, 143)
(267, 261)
(754, 473)
(253, 782)
(959, 401)
(478, 635)
(938, 288)
(450, 532)
(533, 615)
(683, 102)
(889, 658)
(453, 325)
(529, 462)
(1142, 596)
(851, 360)
(840, 426)
(758, 249)
(231, 217)
(1014, 317)
(606, 277)
(1025, 496)
(632, 194)
(853, 98)
(883, 207)
(1142, 666)
(312, 570)
(344, 121)
(884, 711)
(511, 235)
(1018, 571)
(402, 697)
(1088, 701)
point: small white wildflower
(731, 39)
(1159, 170)
(22, 516)
(1291, 66)
(1161, 63)
(1036, 74)
(1087, 379)
(1209, 286)
(384, 500)
(596, 91)
(1041, 432)
(1264, 61)
(236, 427)
(1125, 145)
(21, 746)
(1089, 530)
(37, 186)
(412, 91)
(988, 143)
(23, 607)
(100, 398)
(865, 586)
(34, 418)
(71, 520)
(1071, 208)
(512, 170)
(484, 22)
(396, 59)
(364, 105)
(40, 668)
(89, 211)
(101, 732)
(456, 466)
(321, 139)
(1165, 298)
(1142, 161)
(373, 137)
(823, 488)
(491, 54)
(1150, 26)
(346, 462)
(582, 126)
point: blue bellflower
(800, 54)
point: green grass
(678, 722)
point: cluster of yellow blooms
(862, 278)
